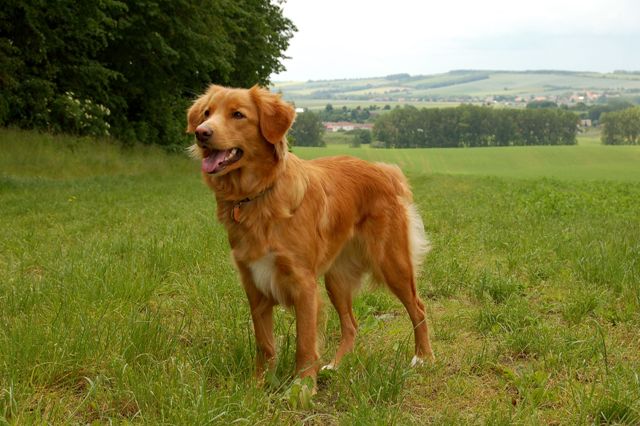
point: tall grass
(119, 303)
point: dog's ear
(195, 114)
(276, 117)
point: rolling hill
(465, 86)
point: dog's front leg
(262, 316)
(306, 304)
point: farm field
(119, 302)
(318, 104)
(460, 85)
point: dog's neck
(244, 184)
(276, 194)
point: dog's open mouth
(217, 160)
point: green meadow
(119, 304)
(589, 160)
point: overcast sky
(357, 38)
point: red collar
(235, 210)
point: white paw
(330, 366)
(416, 361)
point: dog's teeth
(230, 154)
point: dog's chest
(264, 277)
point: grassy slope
(119, 302)
(533, 84)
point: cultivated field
(118, 301)
(318, 104)
(463, 84)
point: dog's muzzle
(203, 135)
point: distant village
(565, 99)
(568, 99)
(345, 126)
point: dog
(290, 221)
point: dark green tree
(541, 104)
(621, 127)
(307, 130)
(361, 137)
(595, 111)
(49, 52)
(130, 68)
(473, 126)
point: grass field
(118, 302)
(589, 160)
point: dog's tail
(419, 244)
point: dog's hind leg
(398, 275)
(340, 287)
(397, 262)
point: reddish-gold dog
(290, 221)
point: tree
(471, 126)
(361, 137)
(49, 52)
(307, 130)
(614, 105)
(621, 127)
(384, 129)
(130, 68)
(541, 104)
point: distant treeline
(474, 126)
(584, 111)
(354, 115)
(130, 69)
(621, 127)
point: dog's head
(237, 127)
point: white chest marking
(263, 271)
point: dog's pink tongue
(211, 163)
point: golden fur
(290, 221)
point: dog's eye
(238, 115)
(206, 113)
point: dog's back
(387, 219)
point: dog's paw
(330, 366)
(416, 361)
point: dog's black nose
(203, 134)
